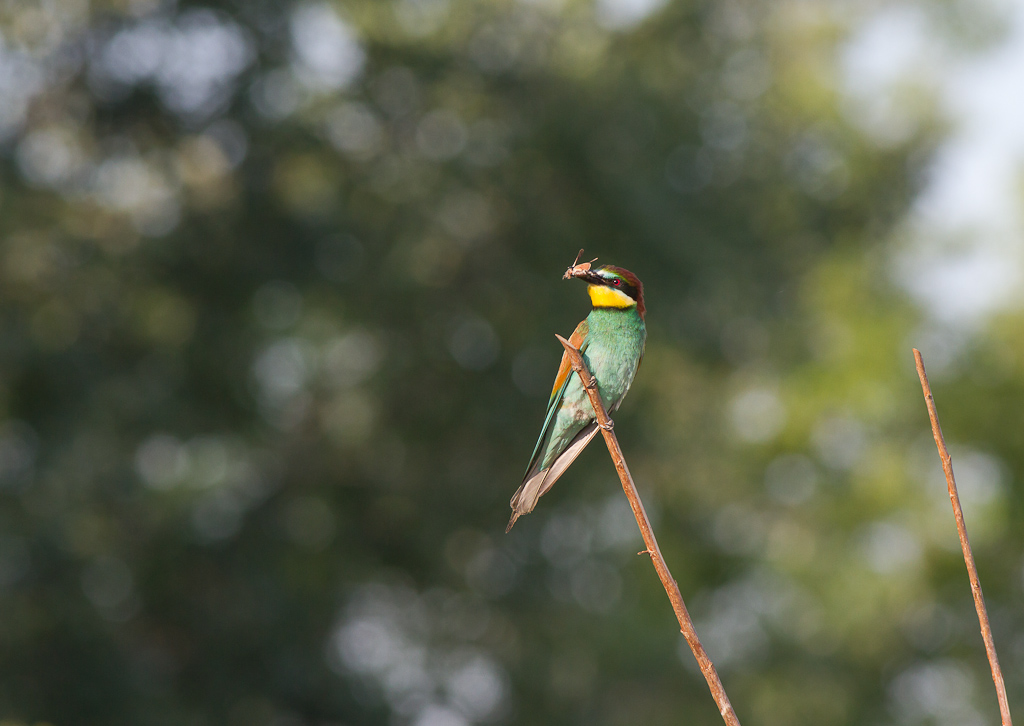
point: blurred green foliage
(278, 289)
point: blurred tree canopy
(278, 289)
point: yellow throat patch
(609, 297)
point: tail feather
(537, 485)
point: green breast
(615, 344)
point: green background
(278, 291)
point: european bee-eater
(611, 340)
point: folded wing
(538, 481)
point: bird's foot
(607, 426)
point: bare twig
(961, 528)
(671, 586)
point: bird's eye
(617, 283)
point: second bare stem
(965, 544)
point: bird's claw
(606, 426)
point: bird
(611, 339)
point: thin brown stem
(965, 545)
(671, 586)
